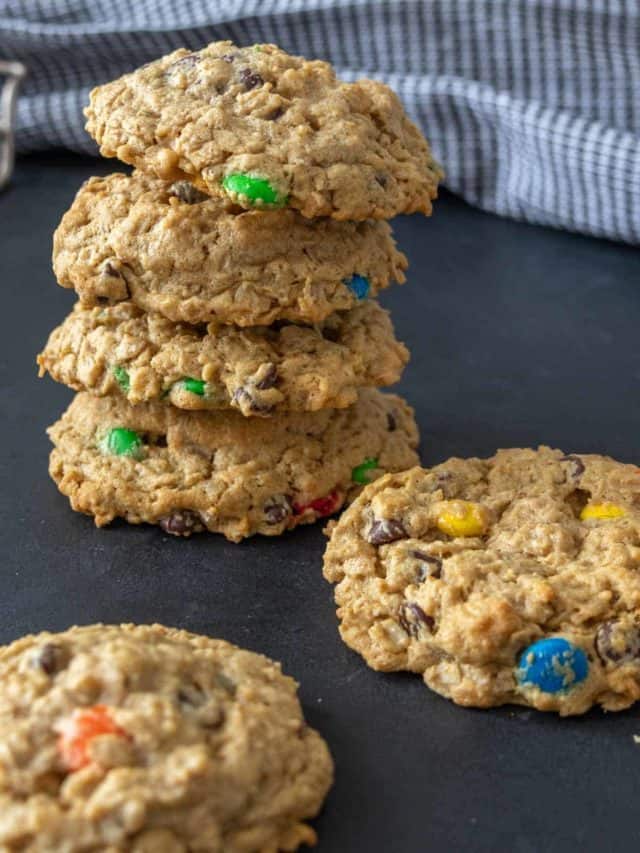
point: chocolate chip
(382, 180)
(250, 79)
(160, 441)
(191, 695)
(391, 422)
(618, 643)
(246, 401)
(228, 57)
(331, 333)
(433, 567)
(268, 376)
(226, 683)
(276, 509)
(384, 530)
(51, 658)
(186, 192)
(414, 620)
(181, 522)
(187, 61)
(109, 270)
(276, 114)
(577, 465)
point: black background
(519, 336)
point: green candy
(122, 377)
(255, 189)
(195, 386)
(360, 473)
(120, 441)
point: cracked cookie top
(268, 130)
(259, 370)
(514, 579)
(196, 259)
(146, 738)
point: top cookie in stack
(270, 130)
(203, 283)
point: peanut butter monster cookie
(195, 259)
(268, 130)
(145, 739)
(509, 580)
(121, 350)
(191, 471)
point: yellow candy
(602, 511)
(462, 518)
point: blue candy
(552, 665)
(359, 285)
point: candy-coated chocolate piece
(122, 377)
(359, 285)
(462, 518)
(326, 505)
(77, 732)
(362, 473)
(602, 511)
(122, 442)
(552, 665)
(195, 386)
(257, 190)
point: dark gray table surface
(519, 336)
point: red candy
(78, 731)
(323, 506)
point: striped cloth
(533, 106)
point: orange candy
(78, 730)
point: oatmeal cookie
(146, 739)
(196, 259)
(268, 130)
(514, 579)
(260, 370)
(220, 471)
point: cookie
(152, 740)
(220, 471)
(195, 259)
(514, 579)
(268, 130)
(261, 370)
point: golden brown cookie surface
(270, 130)
(152, 740)
(509, 580)
(189, 471)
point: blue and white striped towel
(533, 106)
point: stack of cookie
(226, 346)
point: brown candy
(186, 192)
(250, 79)
(385, 530)
(431, 567)
(414, 620)
(182, 522)
(277, 509)
(617, 642)
(51, 658)
(247, 401)
(577, 465)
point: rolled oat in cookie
(194, 259)
(268, 130)
(258, 371)
(146, 739)
(514, 579)
(221, 471)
